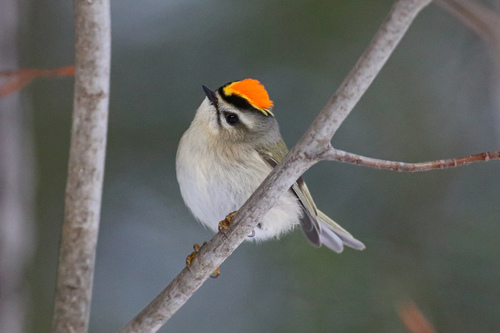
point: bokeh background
(431, 237)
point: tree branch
(86, 167)
(475, 16)
(21, 77)
(413, 319)
(374, 163)
(486, 24)
(298, 160)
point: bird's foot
(224, 224)
(215, 274)
(190, 258)
(196, 248)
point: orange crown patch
(253, 91)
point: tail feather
(331, 240)
(343, 237)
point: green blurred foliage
(431, 237)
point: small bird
(232, 144)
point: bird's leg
(190, 258)
(224, 224)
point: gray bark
(86, 167)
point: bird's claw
(224, 224)
(216, 273)
(190, 258)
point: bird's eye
(232, 119)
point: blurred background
(431, 237)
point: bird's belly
(213, 191)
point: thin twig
(39, 72)
(86, 167)
(486, 23)
(475, 16)
(21, 77)
(315, 140)
(414, 319)
(374, 163)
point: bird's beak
(211, 95)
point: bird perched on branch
(233, 143)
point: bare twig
(414, 319)
(40, 72)
(86, 167)
(21, 77)
(315, 141)
(486, 23)
(374, 163)
(475, 16)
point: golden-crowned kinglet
(232, 144)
